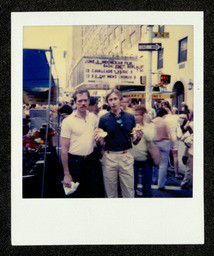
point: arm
(169, 135)
(149, 131)
(137, 138)
(65, 142)
(137, 134)
(99, 140)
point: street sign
(149, 47)
(160, 34)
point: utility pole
(149, 74)
(48, 120)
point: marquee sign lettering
(124, 72)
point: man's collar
(76, 114)
(121, 112)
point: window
(116, 33)
(141, 32)
(123, 45)
(161, 28)
(132, 39)
(110, 38)
(182, 50)
(105, 42)
(100, 34)
(160, 59)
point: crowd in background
(163, 126)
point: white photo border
(105, 221)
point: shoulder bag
(154, 153)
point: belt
(117, 152)
(79, 157)
(161, 140)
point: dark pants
(84, 171)
(146, 170)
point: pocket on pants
(128, 158)
(109, 159)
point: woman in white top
(140, 151)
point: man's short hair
(93, 101)
(167, 104)
(80, 91)
(33, 106)
(141, 109)
(117, 92)
(105, 106)
(66, 109)
(161, 112)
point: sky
(44, 37)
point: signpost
(149, 47)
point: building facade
(118, 42)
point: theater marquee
(109, 70)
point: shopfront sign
(112, 71)
(154, 96)
(160, 34)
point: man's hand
(67, 180)
(139, 135)
(99, 140)
(99, 135)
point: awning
(155, 95)
(36, 71)
(93, 86)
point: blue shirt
(118, 129)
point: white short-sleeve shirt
(80, 132)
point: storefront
(156, 96)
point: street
(172, 187)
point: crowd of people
(105, 147)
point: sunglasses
(119, 121)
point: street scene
(108, 111)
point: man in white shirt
(77, 145)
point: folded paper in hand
(72, 189)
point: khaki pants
(118, 165)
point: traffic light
(165, 79)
